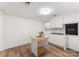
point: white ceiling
(20, 9)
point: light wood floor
(25, 51)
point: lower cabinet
(58, 40)
(73, 43)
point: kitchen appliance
(71, 29)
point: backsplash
(56, 30)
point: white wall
(1, 32)
(19, 31)
(15, 31)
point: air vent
(27, 3)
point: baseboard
(16, 46)
(56, 45)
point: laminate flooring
(25, 51)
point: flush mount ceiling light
(27, 3)
(45, 11)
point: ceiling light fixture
(27, 3)
(45, 11)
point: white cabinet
(56, 22)
(47, 25)
(51, 38)
(57, 40)
(73, 42)
(78, 44)
(70, 19)
(60, 40)
(52, 23)
(77, 17)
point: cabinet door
(77, 17)
(56, 22)
(60, 40)
(77, 44)
(51, 38)
(57, 40)
(50, 25)
(72, 42)
(59, 22)
(70, 19)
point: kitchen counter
(57, 39)
(39, 45)
(58, 33)
(38, 38)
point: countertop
(37, 38)
(58, 33)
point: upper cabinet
(77, 17)
(70, 19)
(56, 22)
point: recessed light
(45, 11)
